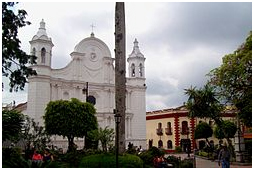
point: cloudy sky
(182, 41)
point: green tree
(33, 134)
(70, 119)
(12, 122)
(14, 60)
(105, 136)
(203, 130)
(202, 103)
(233, 79)
(226, 130)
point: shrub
(204, 154)
(186, 163)
(175, 161)
(12, 158)
(72, 159)
(109, 161)
(148, 156)
(130, 161)
(178, 149)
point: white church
(91, 64)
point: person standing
(224, 157)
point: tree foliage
(12, 122)
(70, 119)
(14, 60)
(203, 130)
(226, 130)
(233, 79)
(202, 103)
(33, 134)
(105, 136)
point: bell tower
(41, 46)
(39, 87)
(136, 62)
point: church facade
(90, 73)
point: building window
(133, 70)
(168, 129)
(185, 129)
(43, 55)
(140, 70)
(160, 144)
(169, 144)
(159, 131)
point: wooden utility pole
(120, 69)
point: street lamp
(117, 120)
(85, 90)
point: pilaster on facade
(177, 134)
(192, 125)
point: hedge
(109, 161)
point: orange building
(170, 128)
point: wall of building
(176, 116)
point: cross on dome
(92, 26)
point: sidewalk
(204, 163)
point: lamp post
(85, 90)
(117, 120)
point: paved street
(203, 163)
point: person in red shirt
(36, 157)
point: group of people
(159, 162)
(37, 157)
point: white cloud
(182, 42)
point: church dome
(92, 43)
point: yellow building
(170, 128)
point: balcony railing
(159, 131)
(168, 131)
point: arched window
(140, 70)
(34, 51)
(43, 55)
(169, 124)
(160, 144)
(159, 130)
(133, 70)
(169, 144)
(184, 127)
(168, 129)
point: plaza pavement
(204, 163)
